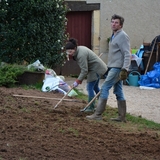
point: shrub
(9, 74)
(31, 30)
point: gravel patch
(140, 102)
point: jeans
(93, 87)
(112, 80)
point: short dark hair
(72, 44)
(121, 19)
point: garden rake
(82, 110)
(62, 98)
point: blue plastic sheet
(151, 78)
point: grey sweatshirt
(119, 51)
(89, 63)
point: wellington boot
(99, 110)
(90, 108)
(121, 112)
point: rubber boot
(91, 107)
(99, 110)
(121, 112)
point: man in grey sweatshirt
(119, 58)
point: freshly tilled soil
(32, 130)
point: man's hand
(123, 74)
(75, 84)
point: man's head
(116, 22)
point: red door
(78, 27)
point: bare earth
(32, 130)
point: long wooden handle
(91, 101)
(157, 52)
(57, 99)
(100, 55)
(150, 56)
(62, 98)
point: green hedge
(31, 30)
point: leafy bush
(31, 30)
(9, 73)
